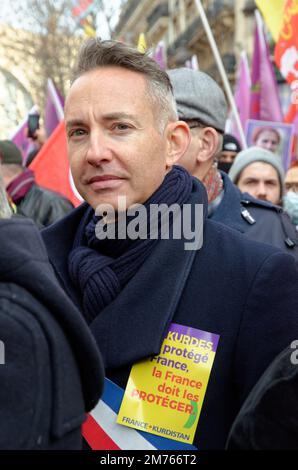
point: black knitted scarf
(101, 268)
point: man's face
(268, 140)
(291, 181)
(227, 156)
(261, 181)
(114, 146)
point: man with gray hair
(201, 104)
(157, 309)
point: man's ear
(178, 139)
(208, 144)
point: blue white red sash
(102, 432)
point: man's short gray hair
(219, 146)
(95, 53)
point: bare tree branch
(44, 41)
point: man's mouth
(103, 178)
(105, 182)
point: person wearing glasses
(202, 105)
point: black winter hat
(230, 144)
(10, 153)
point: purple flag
(192, 63)
(265, 103)
(160, 56)
(242, 92)
(19, 136)
(241, 97)
(54, 108)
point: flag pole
(58, 105)
(221, 70)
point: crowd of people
(79, 306)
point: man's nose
(261, 191)
(99, 150)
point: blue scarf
(101, 268)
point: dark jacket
(244, 291)
(44, 206)
(258, 220)
(52, 373)
(268, 420)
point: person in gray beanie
(258, 172)
(201, 104)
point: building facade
(177, 23)
(27, 60)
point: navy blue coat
(246, 292)
(268, 417)
(270, 224)
(51, 372)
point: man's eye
(121, 126)
(76, 132)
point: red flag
(51, 166)
(286, 58)
(291, 117)
(286, 49)
(82, 7)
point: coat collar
(229, 210)
(141, 314)
(134, 325)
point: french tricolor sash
(102, 432)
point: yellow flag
(88, 26)
(142, 46)
(89, 31)
(272, 11)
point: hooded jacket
(50, 368)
